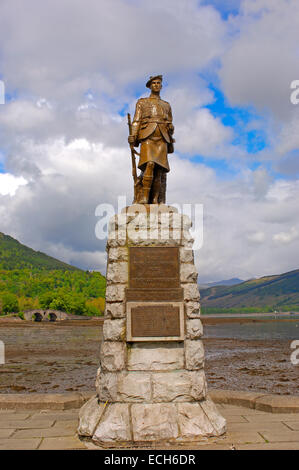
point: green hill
(278, 292)
(31, 279)
(14, 255)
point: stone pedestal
(151, 385)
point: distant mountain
(228, 282)
(275, 291)
(14, 255)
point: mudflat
(64, 357)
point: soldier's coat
(150, 129)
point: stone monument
(151, 386)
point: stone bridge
(46, 315)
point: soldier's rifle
(133, 152)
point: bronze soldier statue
(152, 128)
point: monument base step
(121, 424)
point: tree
(9, 303)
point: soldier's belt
(155, 122)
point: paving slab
(49, 432)
(19, 444)
(269, 446)
(271, 418)
(286, 436)
(54, 401)
(238, 398)
(278, 403)
(235, 418)
(67, 424)
(26, 424)
(293, 425)
(5, 433)
(9, 414)
(243, 437)
(62, 443)
(252, 427)
(61, 416)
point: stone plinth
(151, 388)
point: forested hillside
(269, 293)
(31, 279)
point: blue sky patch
(253, 140)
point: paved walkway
(50, 429)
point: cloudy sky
(72, 69)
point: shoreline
(206, 320)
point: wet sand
(63, 357)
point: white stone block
(187, 242)
(113, 356)
(114, 425)
(171, 386)
(89, 417)
(118, 240)
(193, 422)
(115, 293)
(107, 385)
(191, 292)
(115, 310)
(156, 356)
(154, 422)
(134, 387)
(118, 254)
(198, 384)
(117, 273)
(194, 351)
(194, 328)
(186, 256)
(188, 273)
(192, 309)
(114, 330)
(217, 421)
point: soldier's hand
(131, 139)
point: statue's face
(156, 85)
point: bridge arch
(37, 316)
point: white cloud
(9, 184)
(126, 39)
(261, 63)
(256, 237)
(286, 237)
(203, 134)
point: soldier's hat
(155, 77)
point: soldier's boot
(147, 184)
(162, 194)
(156, 187)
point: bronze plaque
(154, 295)
(155, 321)
(154, 267)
